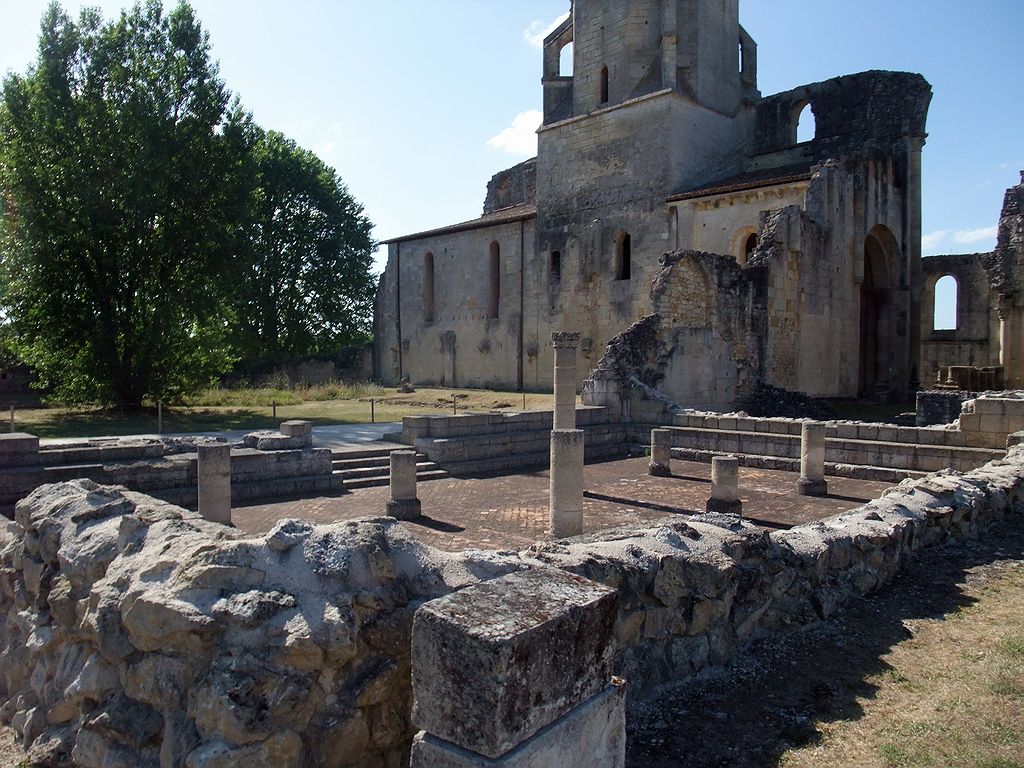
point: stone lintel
(495, 663)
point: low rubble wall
(493, 443)
(263, 465)
(136, 634)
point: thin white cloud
(520, 138)
(970, 236)
(932, 241)
(538, 30)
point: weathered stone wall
(975, 340)
(481, 444)
(136, 634)
(514, 186)
(460, 344)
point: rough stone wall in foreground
(138, 635)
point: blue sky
(405, 99)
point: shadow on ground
(778, 694)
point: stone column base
(807, 487)
(403, 509)
(658, 470)
(723, 507)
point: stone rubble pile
(136, 634)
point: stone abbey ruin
(671, 249)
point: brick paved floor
(511, 512)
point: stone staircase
(371, 467)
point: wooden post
(159, 417)
(373, 412)
(455, 406)
(524, 401)
(12, 418)
(274, 405)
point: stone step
(786, 464)
(368, 461)
(356, 472)
(339, 454)
(379, 481)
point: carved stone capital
(565, 339)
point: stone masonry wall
(977, 322)
(136, 634)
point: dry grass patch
(928, 672)
(953, 696)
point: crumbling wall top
(874, 108)
(513, 186)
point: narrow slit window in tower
(495, 294)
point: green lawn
(389, 406)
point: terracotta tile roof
(504, 216)
(752, 180)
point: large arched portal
(877, 319)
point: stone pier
(214, 476)
(661, 453)
(566, 489)
(403, 504)
(496, 684)
(565, 344)
(812, 460)
(725, 486)
(299, 430)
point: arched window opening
(494, 304)
(428, 288)
(565, 61)
(623, 257)
(749, 246)
(946, 301)
(604, 85)
(556, 266)
(806, 125)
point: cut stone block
(495, 663)
(591, 736)
(301, 430)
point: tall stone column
(812, 460)
(566, 489)
(403, 504)
(725, 486)
(214, 475)
(661, 453)
(565, 344)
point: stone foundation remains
(264, 464)
(136, 633)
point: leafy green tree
(120, 160)
(302, 283)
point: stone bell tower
(624, 49)
(660, 97)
